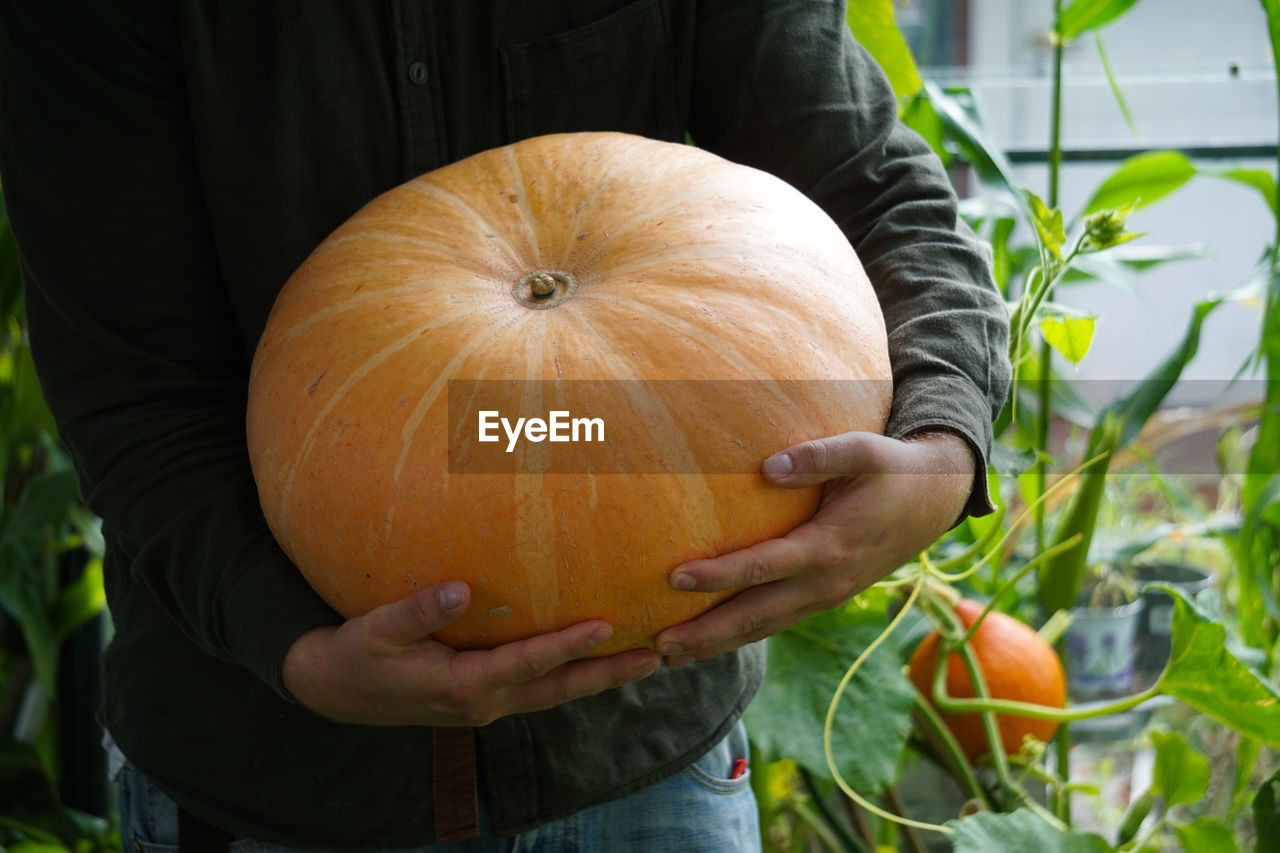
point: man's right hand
(383, 668)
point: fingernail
(778, 465)
(670, 649)
(679, 660)
(451, 595)
(646, 669)
(684, 581)
(599, 635)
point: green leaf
(1119, 265)
(874, 27)
(1070, 336)
(78, 602)
(1141, 180)
(1181, 774)
(1048, 225)
(10, 284)
(1204, 674)
(873, 720)
(1084, 15)
(1266, 815)
(1206, 834)
(1246, 757)
(22, 597)
(1135, 408)
(919, 115)
(959, 114)
(989, 832)
(1259, 179)
(44, 500)
(1115, 87)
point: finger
(525, 660)
(415, 617)
(812, 462)
(764, 562)
(749, 616)
(578, 679)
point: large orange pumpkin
(1016, 664)
(601, 264)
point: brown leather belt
(453, 783)
(453, 787)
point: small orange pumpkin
(1016, 663)
(606, 260)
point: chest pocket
(619, 73)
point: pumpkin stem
(544, 288)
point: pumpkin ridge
(588, 206)
(354, 378)
(536, 252)
(426, 186)
(411, 431)
(451, 254)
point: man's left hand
(883, 501)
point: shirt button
(418, 73)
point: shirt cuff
(925, 403)
(265, 610)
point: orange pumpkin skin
(1016, 663)
(687, 267)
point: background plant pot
(1102, 646)
(1157, 617)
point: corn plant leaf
(1136, 408)
(1115, 86)
(874, 27)
(1206, 834)
(919, 115)
(1246, 759)
(43, 500)
(873, 720)
(78, 601)
(1141, 180)
(1070, 336)
(1203, 673)
(1084, 15)
(1266, 815)
(959, 114)
(1181, 775)
(1019, 830)
(21, 596)
(10, 286)
(1259, 179)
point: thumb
(812, 462)
(415, 617)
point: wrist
(955, 460)
(302, 662)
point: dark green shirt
(168, 164)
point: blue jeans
(698, 810)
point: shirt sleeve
(783, 86)
(136, 344)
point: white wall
(1194, 73)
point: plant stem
(833, 823)
(805, 812)
(1043, 556)
(1086, 711)
(956, 760)
(1062, 738)
(895, 803)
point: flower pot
(1157, 619)
(1101, 646)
